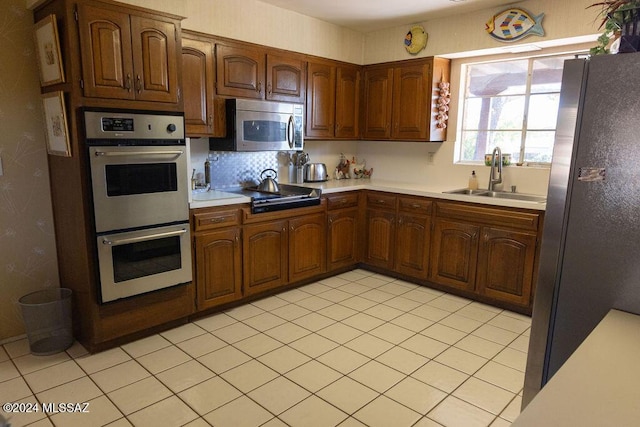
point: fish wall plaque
(514, 24)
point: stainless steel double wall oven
(139, 180)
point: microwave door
(262, 131)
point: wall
(258, 22)
(27, 244)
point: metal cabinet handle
(117, 242)
(127, 84)
(381, 201)
(416, 206)
(269, 88)
(138, 83)
(210, 121)
(259, 88)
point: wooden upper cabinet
(286, 79)
(347, 101)
(107, 57)
(378, 92)
(197, 85)
(154, 59)
(411, 109)
(253, 72)
(240, 71)
(126, 56)
(321, 85)
(400, 100)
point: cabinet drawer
(415, 204)
(208, 220)
(344, 200)
(381, 200)
(505, 217)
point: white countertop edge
(336, 186)
(598, 384)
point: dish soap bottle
(473, 181)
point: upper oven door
(264, 131)
(137, 186)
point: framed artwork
(55, 118)
(48, 48)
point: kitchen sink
(499, 195)
(466, 191)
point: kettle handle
(275, 174)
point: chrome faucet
(494, 178)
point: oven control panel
(108, 125)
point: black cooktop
(288, 197)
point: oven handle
(117, 242)
(138, 153)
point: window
(512, 105)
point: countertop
(598, 384)
(221, 198)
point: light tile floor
(352, 350)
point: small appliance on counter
(315, 172)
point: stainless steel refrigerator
(590, 253)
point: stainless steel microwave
(254, 125)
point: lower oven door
(135, 262)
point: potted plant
(620, 20)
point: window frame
(524, 129)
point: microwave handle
(290, 132)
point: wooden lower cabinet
(506, 265)
(342, 243)
(218, 267)
(380, 238)
(413, 241)
(454, 254)
(307, 247)
(265, 256)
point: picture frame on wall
(57, 130)
(48, 49)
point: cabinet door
(155, 59)
(380, 248)
(307, 247)
(240, 71)
(286, 78)
(411, 101)
(378, 87)
(347, 102)
(321, 108)
(505, 265)
(218, 267)
(265, 248)
(412, 245)
(342, 243)
(197, 86)
(105, 46)
(454, 254)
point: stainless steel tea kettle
(269, 183)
